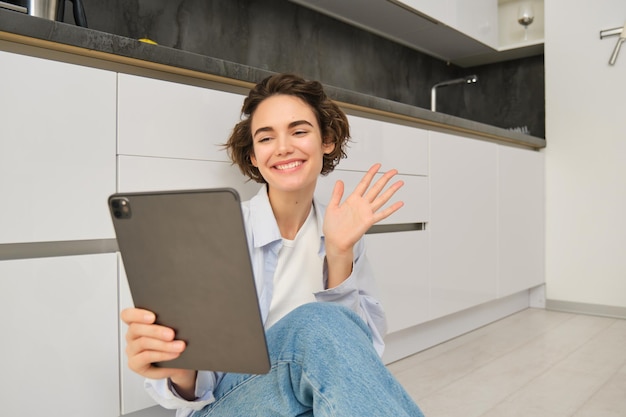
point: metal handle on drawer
(396, 227)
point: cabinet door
(463, 222)
(166, 119)
(400, 263)
(60, 343)
(57, 150)
(478, 19)
(521, 215)
(475, 18)
(150, 174)
(396, 146)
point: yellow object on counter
(146, 40)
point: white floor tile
(534, 363)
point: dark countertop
(20, 28)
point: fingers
(335, 197)
(380, 184)
(382, 199)
(142, 337)
(148, 343)
(142, 362)
(378, 198)
(373, 194)
(150, 331)
(388, 211)
(365, 182)
(137, 315)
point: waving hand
(346, 222)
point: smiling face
(287, 144)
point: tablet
(186, 259)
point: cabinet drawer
(150, 174)
(414, 194)
(161, 118)
(394, 146)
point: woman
(324, 326)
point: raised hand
(345, 223)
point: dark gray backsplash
(280, 36)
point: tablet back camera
(121, 208)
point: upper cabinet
(463, 32)
(477, 19)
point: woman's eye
(300, 132)
(265, 139)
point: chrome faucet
(433, 92)
(622, 38)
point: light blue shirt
(357, 292)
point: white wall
(586, 154)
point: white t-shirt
(298, 271)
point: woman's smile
(288, 165)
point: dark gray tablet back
(186, 259)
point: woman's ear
(328, 147)
(253, 160)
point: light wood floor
(535, 363)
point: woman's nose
(283, 145)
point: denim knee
(330, 323)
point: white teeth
(289, 165)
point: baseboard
(585, 308)
(156, 411)
(415, 339)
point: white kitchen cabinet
(57, 150)
(400, 262)
(59, 326)
(475, 18)
(394, 145)
(158, 174)
(166, 119)
(521, 219)
(463, 222)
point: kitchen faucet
(469, 79)
(622, 38)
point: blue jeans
(323, 364)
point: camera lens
(120, 208)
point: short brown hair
(331, 119)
